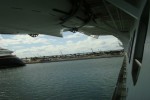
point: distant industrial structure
(77, 56)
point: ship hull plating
(11, 61)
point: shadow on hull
(11, 62)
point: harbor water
(91, 79)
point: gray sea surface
(92, 79)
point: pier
(77, 56)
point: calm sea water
(92, 79)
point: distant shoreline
(72, 59)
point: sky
(45, 45)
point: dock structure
(120, 92)
(77, 56)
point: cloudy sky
(44, 45)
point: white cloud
(73, 35)
(22, 39)
(1, 37)
(69, 46)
